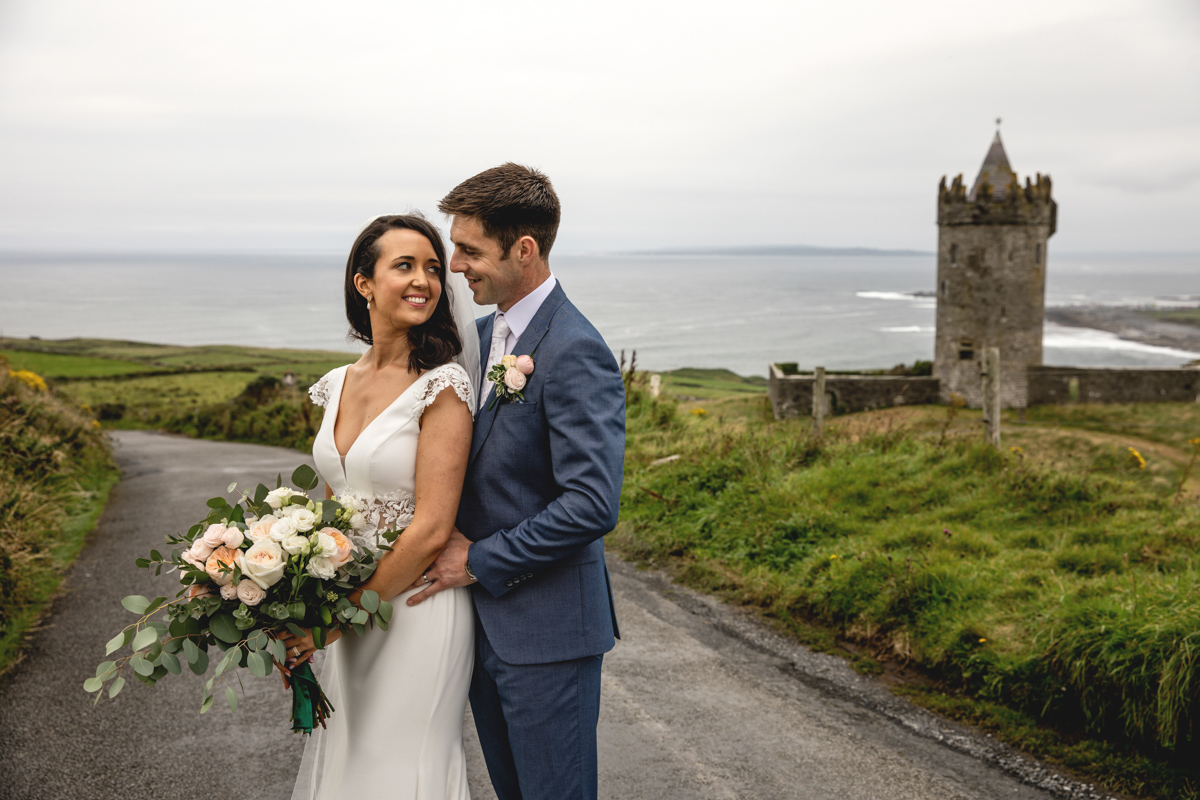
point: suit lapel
(526, 345)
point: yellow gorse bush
(30, 379)
(1136, 460)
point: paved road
(699, 702)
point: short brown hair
(434, 342)
(510, 201)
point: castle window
(954, 255)
(943, 290)
(1037, 254)
(966, 351)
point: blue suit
(543, 486)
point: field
(1184, 316)
(1051, 583)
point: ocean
(738, 312)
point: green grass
(1058, 581)
(54, 365)
(55, 477)
(1184, 316)
(710, 383)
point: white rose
(201, 549)
(283, 529)
(514, 379)
(321, 567)
(263, 563)
(229, 591)
(214, 537)
(294, 543)
(261, 529)
(304, 519)
(233, 538)
(249, 592)
(276, 498)
(358, 521)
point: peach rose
(229, 592)
(264, 563)
(261, 529)
(214, 537)
(197, 590)
(196, 562)
(201, 549)
(344, 546)
(221, 557)
(233, 538)
(249, 592)
(525, 365)
(514, 379)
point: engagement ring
(424, 577)
(295, 651)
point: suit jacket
(543, 486)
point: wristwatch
(471, 572)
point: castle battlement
(1004, 204)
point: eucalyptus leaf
(370, 601)
(206, 705)
(155, 604)
(115, 644)
(216, 502)
(385, 610)
(231, 698)
(141, 666)
(104, 668)
(141, 563)
(136, 603)
(361, 617)
(305, 478)
(171, 663)
(190, 651)
(296, 610)
(318, 634)
(278, 650)
(296, 629)
(260, 494)
(92, 685)
(200, 665)
(224, 627)
(116, 687)
(326, 617)
(145, 637)
(258, 665)
(155, 555)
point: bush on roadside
(55, 474)
(266, 412)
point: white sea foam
(1067, 338)
(909, 329)
(885, 295)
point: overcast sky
(284, 126)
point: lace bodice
(377, 475)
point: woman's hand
(301, 648)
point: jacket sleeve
(584, 399)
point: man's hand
(447, 571)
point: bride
(396, 435)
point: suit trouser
(537, 724)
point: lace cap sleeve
(450, 376)
(319, 391)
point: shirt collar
(521, 314)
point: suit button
(508, 584)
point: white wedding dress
(398, 695)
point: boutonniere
(508, 378)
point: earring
(370, 298)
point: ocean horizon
(728, 308)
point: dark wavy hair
(434, 342)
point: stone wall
(1053, 385)
(792, 395)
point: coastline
(1128, 322)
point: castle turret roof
(995, 171)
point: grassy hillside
(54, 479)
(1054, 581)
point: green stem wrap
(310, 706)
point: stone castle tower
(991, 269)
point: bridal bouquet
(274, 559)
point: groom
(543, 486)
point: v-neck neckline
(338, 411)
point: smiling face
(494, 277)
(407, 282)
